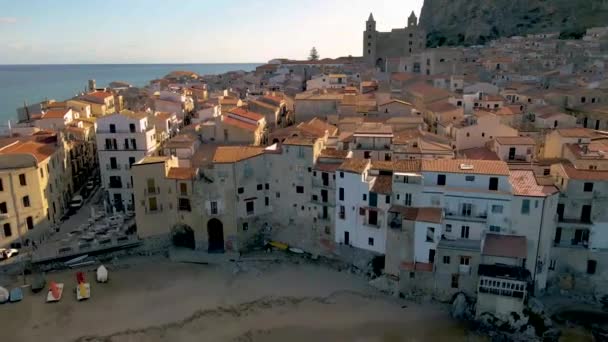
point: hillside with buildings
(453, 172)
(458, 22)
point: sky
(188, 31)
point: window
(132, 128)
(300, 189)
(372, 218)
(341, 194)
(552, 263)
(134, 143)
(3, 208)
(467, 209)
(525, 207)
(152, 205)
(327, 230)
(2, 185)
(26, 201)
(454, 281)
(464, 232)
(430, 234)
(267, 186)
(446, 259)
(22, 180)
(113, 163)
(469, 178)
(370, 241)
(266, 201)
(41, 173)
(465, 260)
(260, 187)
(112, 128)
(591, 266)
(365, 197)
(367, 155)
(278, 195)
(184, 204)
(495, 229)
(240, 190)
(408, 200)
(29, 221)
(493, 186)
(441, 180)
(497, 209)
(213, 208)
(362, 211)
(245, 226)
(342, 213)
(249, 207)
(341, 174)
(588, 187)
(448, 228)
(387, 199)
(7, 230)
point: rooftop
(240, 111)
(515, 140)
(421, 214)
(487, 167)
(354, 165)
(183, 173)
(232, 154)
(524, 183)
(508, 246)
(383, 184)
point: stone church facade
(378, 47)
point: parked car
(76, 202)
(8, 253)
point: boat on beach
(83, 289)
(55, 292)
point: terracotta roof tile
(38, 150)
(383, 184)
(575, 132)
(423, 214)
(354, 165)
(582, 174)
(57, 113)
(515, 140)
(487, 167)
(238, 123)
(333, 153)
(232, 154)
(479, 153)
(524, 183)
(183, 173)
(509, 246)
(240, 111)
(326, 167)
(300, 141)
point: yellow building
(163, 195)
(101, 102)
(32, 189)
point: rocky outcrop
(469, 22)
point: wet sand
(164, 301)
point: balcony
(318, 183)
(464, 269)
(152, 191)
(587, 222)
(112, 167)
(115, 185)
(479, 217)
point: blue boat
(16, 295)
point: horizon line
(163, 63)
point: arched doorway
(183, 236)
(215, 232)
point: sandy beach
(156, 300)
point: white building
(122, 139)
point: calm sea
(34, 83)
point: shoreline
(158, 300)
